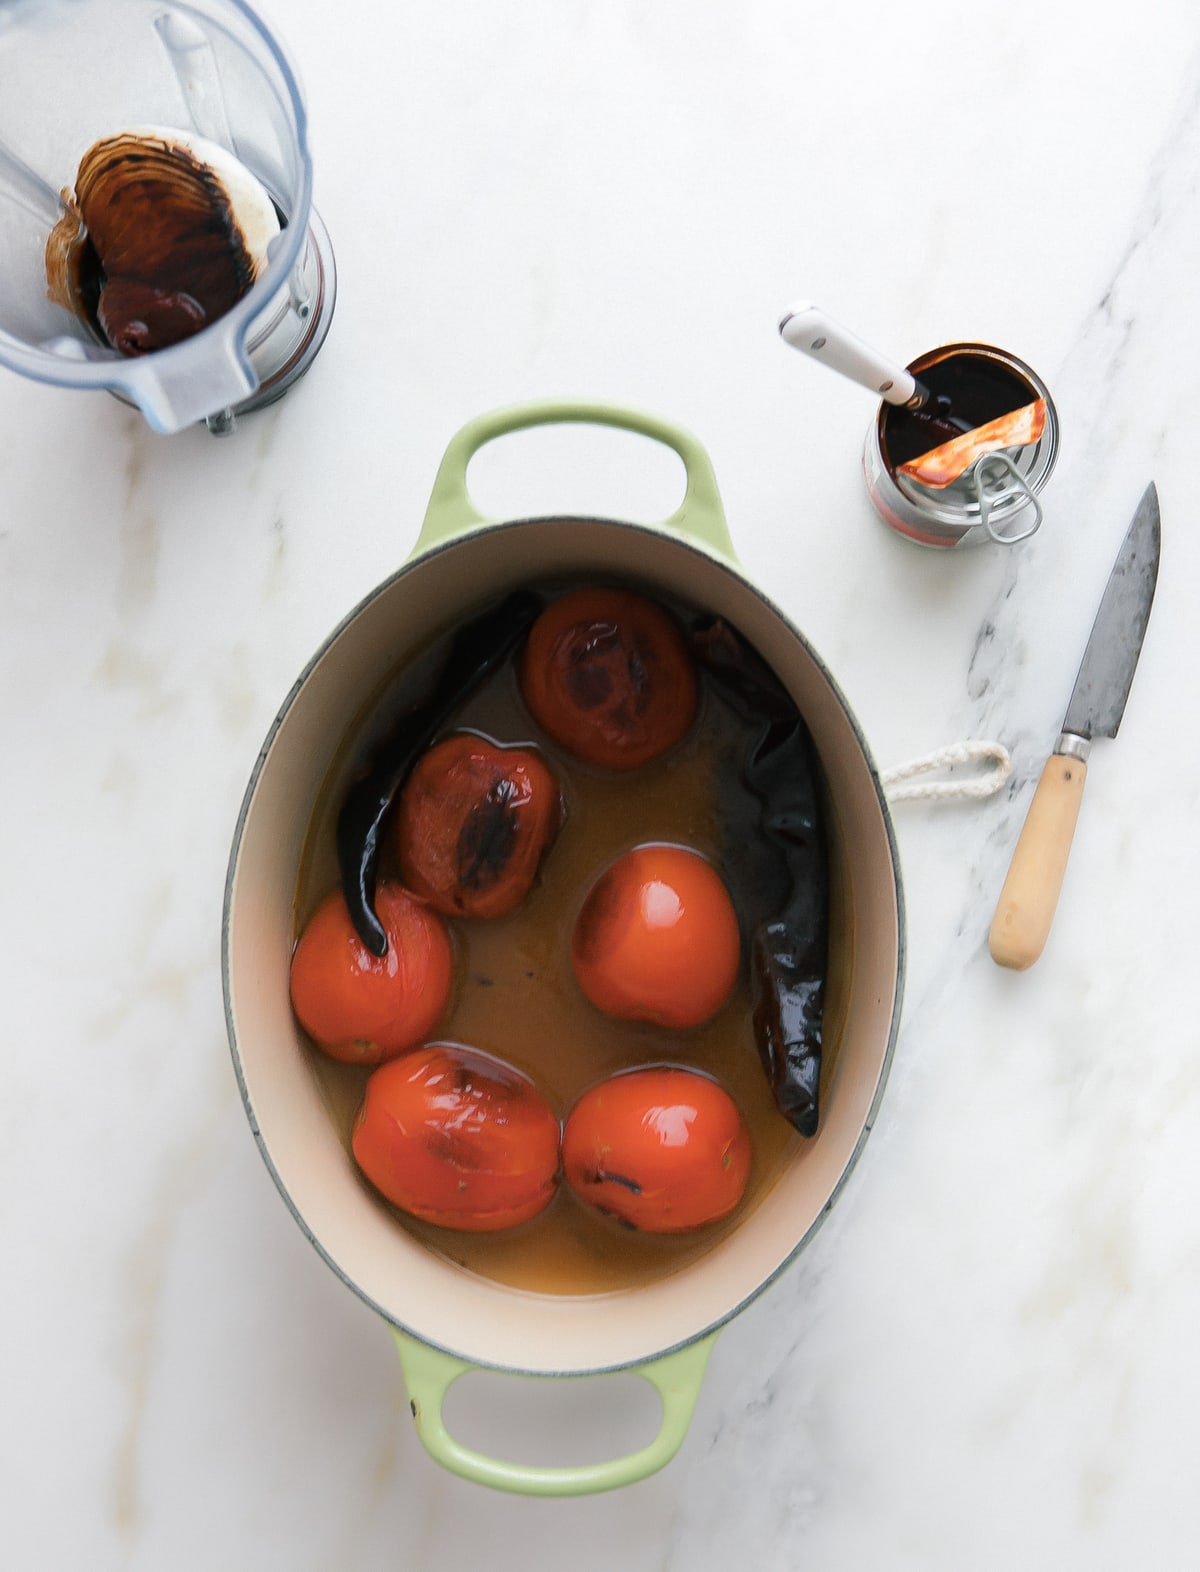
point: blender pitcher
(75, 72)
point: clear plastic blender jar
(75, 71)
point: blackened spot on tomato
(606, 1176)
(488, 838)
(588, 677)
(625, 1222)
(639, 677)
(457, 1150)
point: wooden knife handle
(1030, 894)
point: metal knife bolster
(1071, 745)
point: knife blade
(1028, 900)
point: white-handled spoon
(810, 330)
(807, 328)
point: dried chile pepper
(782, 868)
(475, 650)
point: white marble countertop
(986, 1358)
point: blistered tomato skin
(456, 1138)
(657, 939)
(608, 675)
(473, 823)
(360, 1008)
(662, 1150)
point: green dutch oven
(445, 1321)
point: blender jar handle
(429, 1374)
(451, 511)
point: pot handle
(451, 511)
(429, 1374)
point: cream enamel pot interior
(444, 1320)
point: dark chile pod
(476, 649)
(778, 867)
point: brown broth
(516, 996)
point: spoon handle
(806, 328)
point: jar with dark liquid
(996, 497)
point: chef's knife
(1030, 894)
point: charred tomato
(609, 676)
(662, 1150)
(457, 1138)
(473, 822)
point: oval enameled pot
(445, 1319)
